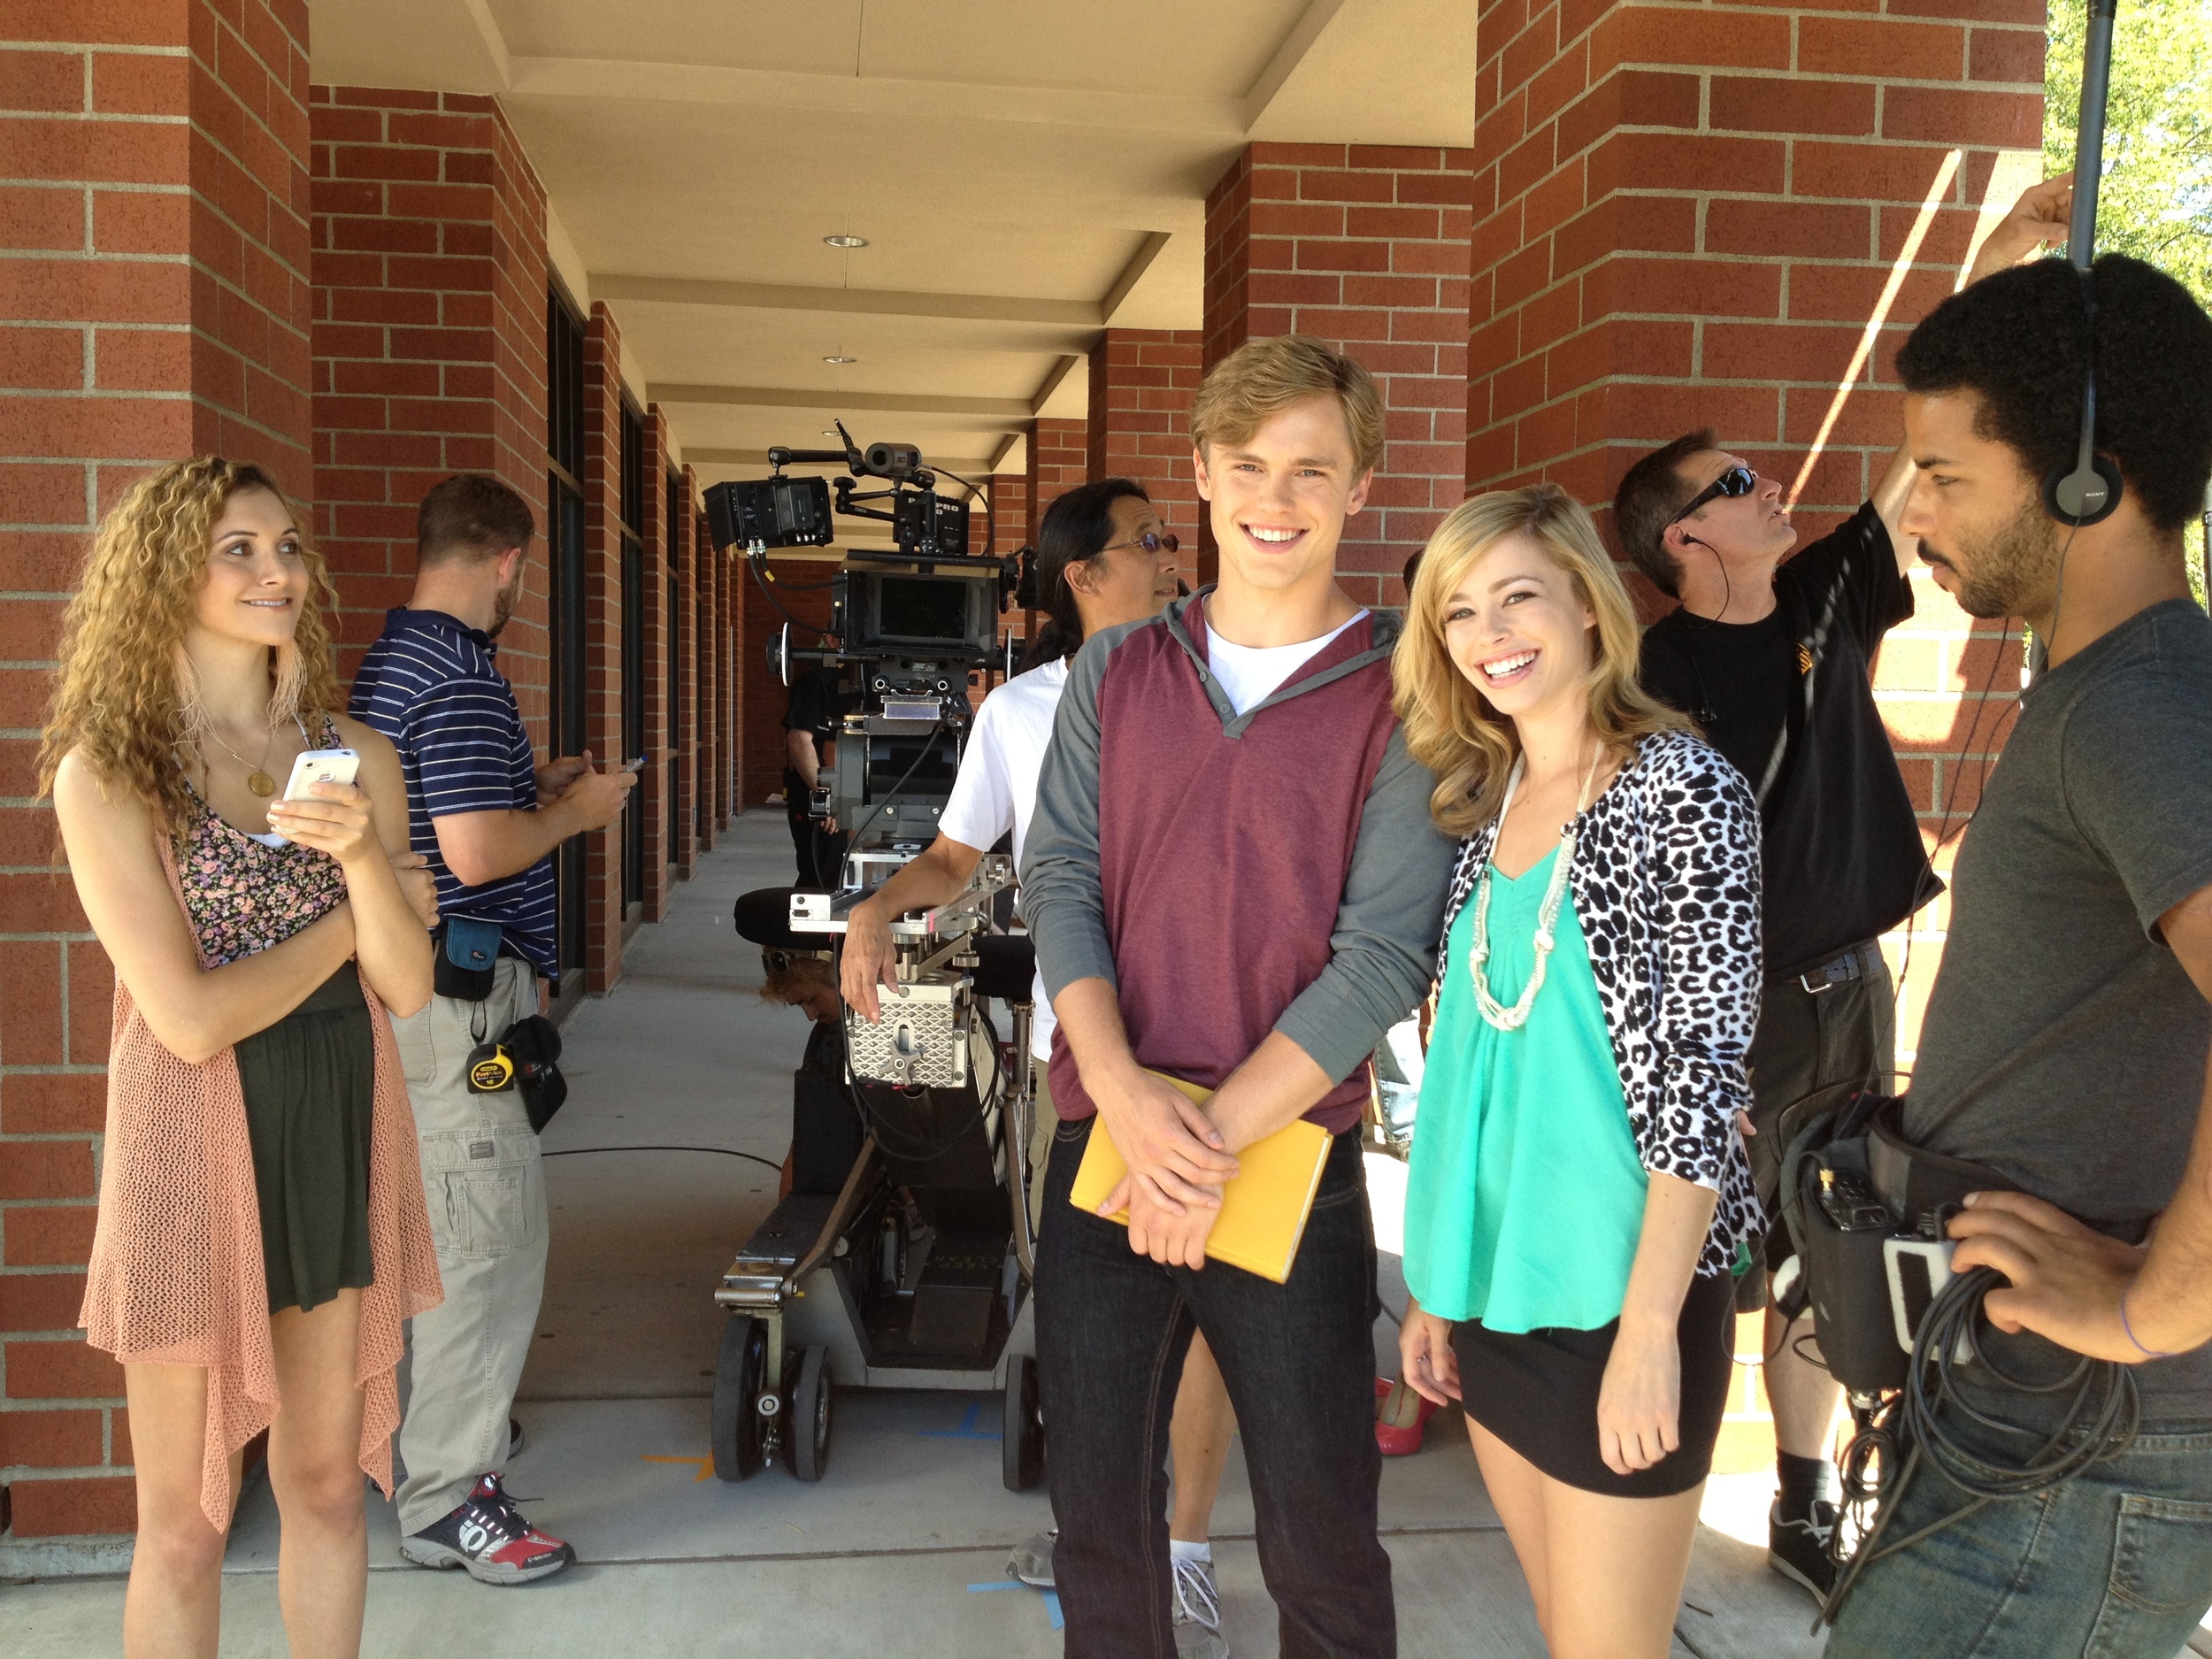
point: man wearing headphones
(1773, 661)
(2065, 1049)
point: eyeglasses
(1163, 542)
(1737, 480)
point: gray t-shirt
(2065, 1046)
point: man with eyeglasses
(1774, 661)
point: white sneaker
(1198, 1612)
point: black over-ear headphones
(2090, 493)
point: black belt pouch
(467, 959)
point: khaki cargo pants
(486, 1191)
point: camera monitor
(930, 616)
(777, 511)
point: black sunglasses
(1737, 480)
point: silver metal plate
(921, 1041)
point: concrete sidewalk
(901, 1549)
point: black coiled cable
(2100, 1422)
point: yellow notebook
(1263, 1211)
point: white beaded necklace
(1546, 913)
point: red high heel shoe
(1401, 1417)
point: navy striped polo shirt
(430, 684)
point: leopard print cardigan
(1666, 885)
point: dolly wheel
(1022, 1447)
(807, 1429)
(738, 1376)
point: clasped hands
(1178, 1164)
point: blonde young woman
(261, 1231)
(1579, 1198)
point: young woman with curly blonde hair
(261, 1230)
(1579, 1199)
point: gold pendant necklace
(257, 778)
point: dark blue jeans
(1112, 1328)
(2114, 1564)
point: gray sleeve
(1062, 901)
(1385, 937)
(2138, 777)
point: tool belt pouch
(467, 959)
(1850, 1182)
(533, 1044)
(1846, 1280)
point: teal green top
(1526, 1197)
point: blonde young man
(1233, 879)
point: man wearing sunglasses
(1774, 661)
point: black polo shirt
(1789, 699)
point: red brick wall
(1687, 216)
(602, 635)
(653, 783)
(153, 304)
(430, 284)
(1363, 246)
(684, 550)
(1142, 383)
(799, 589)
(1059, 459)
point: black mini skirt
(1537, 1392)
(310, 1084)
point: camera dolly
(915, 1273)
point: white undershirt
(1250, 674)
(995, 790)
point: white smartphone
(322, 765)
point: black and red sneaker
(488, 1537)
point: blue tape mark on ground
(1009, 1584)
(970, 1429)
(1052, 1609)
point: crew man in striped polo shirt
(489, 819)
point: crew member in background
(1103, 559)
(1773, 661)
(2068, 1032)
(488, 820)
(810, 742)
(1232, 880)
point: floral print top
(242, 895)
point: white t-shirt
(996, 787)
(1250, 674)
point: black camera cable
(726, 1152)
(2100, 1421)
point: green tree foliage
(2156, 202)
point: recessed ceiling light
(834, 357)
(846, 241)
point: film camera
(902, 1256)
(912, 624)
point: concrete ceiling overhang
(1027, 171)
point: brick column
(1363, 246)
(736, 591)
(430, 282)
(729, 610)
(800, 590)
(712, 751)
(1059, 459)
(659, 739)
(153, 304)
(1142, 383)
(683, 550)
(1688, 218)
(602, 635)
(1009, 499)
